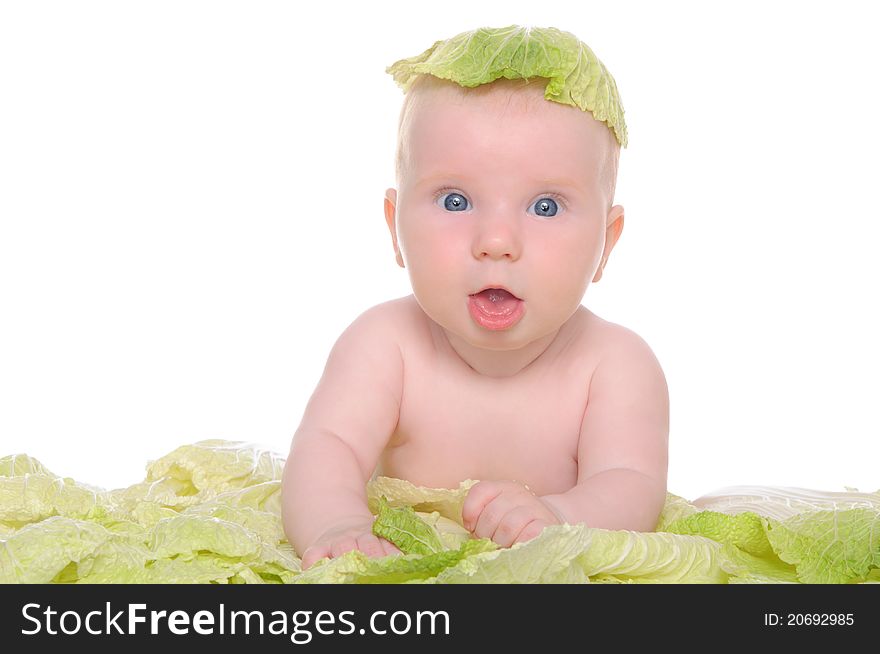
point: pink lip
(496, 322)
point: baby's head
(507, 156)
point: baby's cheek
(428, 243)
(570, 271)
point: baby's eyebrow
(561, 182)
(435, 178)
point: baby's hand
(505, 511)
(352, 534)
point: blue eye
(546, 207)
(454, 202)
(546, 204)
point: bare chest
(455, 426)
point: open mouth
(496, 293)
(495, 308)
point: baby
(491, 370)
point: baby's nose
(497, 240)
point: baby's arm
(622, 458)
(624, 440)
(346, 425)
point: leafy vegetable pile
(210, 512)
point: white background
(191, 212)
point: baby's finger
(370, 545)
(511, 524)
(531, 530)
(492, 515)
(478, 497)
(389, 547)
(314, 553)
(342, 546)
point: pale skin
(564, 417)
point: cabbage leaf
(210, 512)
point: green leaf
(575, 75)
(406, 530)
(355, 567)
(829, 547)
(746, 530)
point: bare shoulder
(613, 341)
(391, 319)
(404, 308)
(358, 396)
(621, 360)
(368, 351)
(392, 331)
(405, 319)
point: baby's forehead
(503, 93)
(507, 99)
(508, 117)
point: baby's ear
(613, 229)
(391, 221)
(599, 270)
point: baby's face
(496, 193)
